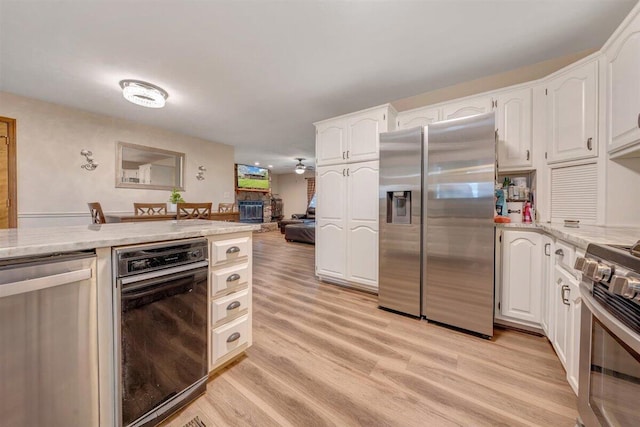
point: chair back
(97, 216)
(149, 209)
(226, 207)
(194, 210)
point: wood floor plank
(327, 355)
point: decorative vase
(172, 207)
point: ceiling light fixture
(300, 168)
(143, 93)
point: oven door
(609, 368)
(163, 339)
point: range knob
(617, 284)
(631, 287)
(579, 264)
(589, 267)
(596, 271)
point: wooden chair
(97, 216)
(226, 207)
(149, 209)
(194, 210)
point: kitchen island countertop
(583, 235)
(19, 242)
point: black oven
(609, 393)
(163, 294)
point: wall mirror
(150, 168)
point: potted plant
(174, 199)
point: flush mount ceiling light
(143, 93)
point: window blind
(574, 193)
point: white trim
(623, 26)
(388, 105)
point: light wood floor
(326, 355)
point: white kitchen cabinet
(354, 137)
(572, 114)
(513, 123)
(623, 87)
(573, 356)
(562, 310)
(417, 118)
(347, 223)
(521, 276)
(468, 107)
(547, 320)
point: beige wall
(293, 190)
(484, 84)
(54, 190)
(623, 192)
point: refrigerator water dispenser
(399, 207)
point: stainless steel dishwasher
(161, 294)
(48, 341)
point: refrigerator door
(400, 220)
(459, 229)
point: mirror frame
(120, 184)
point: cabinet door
(364, 135)
(623, 105)
(572, 115)
(331, 146)
(521, 276)
(546, 319)
(362, 223)
(514, 129)
(469, 107)
(418, 118)
(562, 310)
(331, 192)
(573, 356)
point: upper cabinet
(513, 123)
(354, 137)
(417, 118)
(468, 107)
(572, 114)
(622, 54)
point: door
(624, 91)
(562, 289)
(546, 318)
(331, 193)
(8, 188)
(364, 135)
(572, 115)
(418, 118)
(331, 143)
(514, 129)
(362, 225)
(521, 275)
(573, 354)
(469, 107)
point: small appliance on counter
(514, 211)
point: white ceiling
(256, 74)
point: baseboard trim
(347, 284)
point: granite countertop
(583, 235)
(19, 242)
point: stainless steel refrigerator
(443, 267)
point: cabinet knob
(590, 144)
(347, 154)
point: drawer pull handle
(559, 252)
(233, 277)
(233, 337)
(590, 144)
(233, 305)
(528, 154)
(233, 250)
(565, 300)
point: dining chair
(97, 216)
(226, 207)
(194, 210)
(149, 209)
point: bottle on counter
(526, 212)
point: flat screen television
(252, 178)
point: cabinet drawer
(229, 306)
(565, 256)
(229, 250)
(225, 279)
(228, 337)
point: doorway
(8, 184)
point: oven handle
(145, 284)
(160, 273)
(619, 329)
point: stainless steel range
(610, 336)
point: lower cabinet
(520, 293)
(547, 320)
(561, 307)
(230, 278)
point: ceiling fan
(300, 167)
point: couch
(305, 218)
